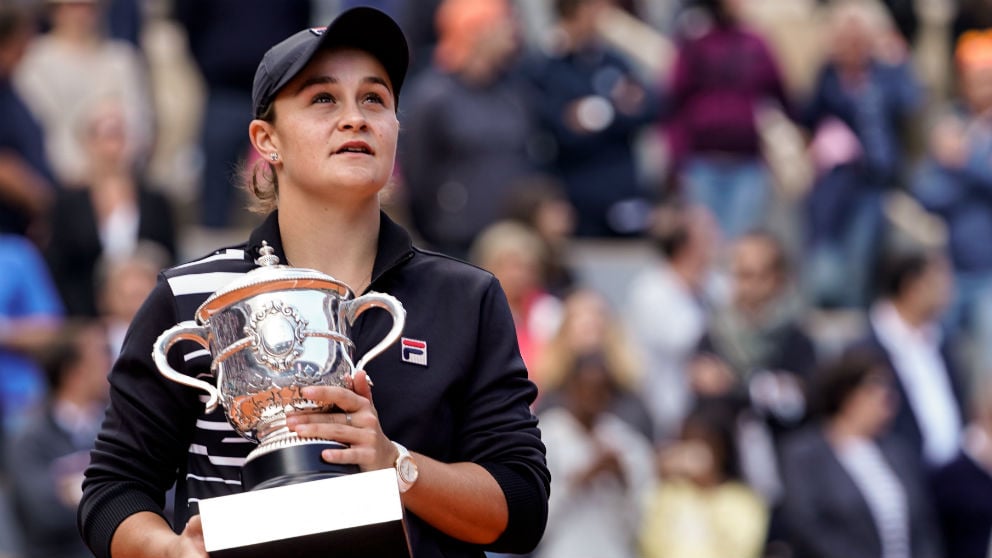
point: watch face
(408, 470)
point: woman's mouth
(359, 147)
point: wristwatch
(406, 468)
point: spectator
(723, 75)
(48, 458)
(954, 182)
(666, 315)
(700, 508)
(26, 179)
(603, 468)
(30, 312)
(849, 490)
(963, 487)
(122, 285)
(904, 325)
(513, 253)
(540, 202)
(758, 339)
(70, 68)
(860, 107)
(216, 32)
(588, 327)
(467, 126)
(592, 105)
(109, 216)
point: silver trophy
(271, 333)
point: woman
(109, 215)
(700, 506)
(602, 467)
(849, 491)
(325, 106)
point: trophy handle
(377, 300)
(187, 331)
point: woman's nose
(353, 118)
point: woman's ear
(262, 136)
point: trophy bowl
(271, 333)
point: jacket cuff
(527, 506)
(105, 515)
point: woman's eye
(373, 98)
(323, 98)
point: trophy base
(291, 465)
(351, 516)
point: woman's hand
(357, 424)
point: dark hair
(566, 9)
(259, 179)
(716, 9)
(714, 421)
(13, 20)
(586, 363)
(902, 268)
(833, 384)
(529, 193)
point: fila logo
(414, 351)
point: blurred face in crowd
(518, 271)
(852, 40)
(976, 88)
(89, 373)
(589, 392)
(105, 136)
(335, 124)
(582, 24)
(495, 46)
(757, 273)
(128, 285)
(872, 404)
(80, 18)
(931, 292)
(586, 321)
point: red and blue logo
(414, 351)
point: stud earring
(274, 156)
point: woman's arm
(462, 500)
(147, 535)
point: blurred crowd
(794, 359)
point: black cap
(363, 28)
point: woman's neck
(338, 241)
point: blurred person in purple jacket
(723, 75)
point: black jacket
(470, 403)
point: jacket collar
(394, 245)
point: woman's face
(335, 128)
(873, 404)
